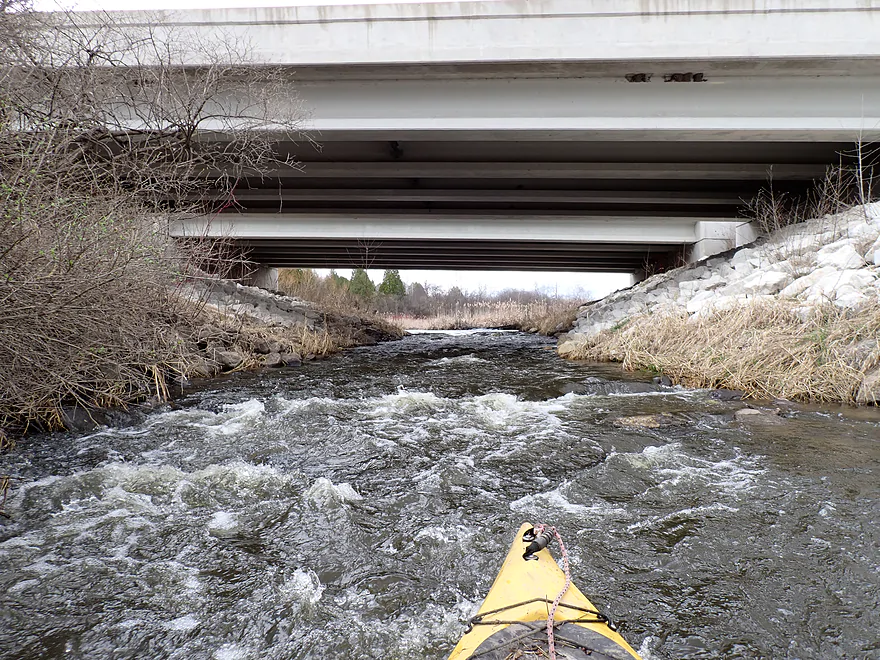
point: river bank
(219, 327)
(794, 315)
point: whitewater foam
(303, 587)
(324, 492)
(182, 623)
(687, 513)
(459, 359)
(670, 467)
(223, 523)
(556, 501)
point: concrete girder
(473, 227)
(426, 241)
(462, 33)
(785, 108)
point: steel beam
(669, 171)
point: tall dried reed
(541, 315)
(767, 349)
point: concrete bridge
(580, 135)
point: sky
(580, 285)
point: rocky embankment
(247, 326)
(823, 275)
(234, 328)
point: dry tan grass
(318, 342)
(306, 285)
(243, 334)
(766, 349)
(560, 320)
(544, 316)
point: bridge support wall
(263, 277)
(715, 237)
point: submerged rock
(869, 390)
(77, 418)
(229, 359)
(755, 416)
(291, 359)
(661, 420)
(727, 395)
(204, 369)
(267, 346)
(273, 360)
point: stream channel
(360, 507)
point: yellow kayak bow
(512, 621)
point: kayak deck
(512, 621)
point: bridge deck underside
(357, 185)
(460, 255)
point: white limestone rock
(804, 312)
(872, 256)
(741, 257)
(699, 301)
(715, 281)
(801, 284)
(765, 282)
(743, 269)
(825, 288)
(841, 255)
(863, 231)
(724, 271)
(689, 287)
(697, 273)
(849, 297)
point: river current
(360, 507)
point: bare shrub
(88, 314)
(845, 185)
(106, 136)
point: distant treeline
(429, 306)
(392, 297)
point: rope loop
(551, 614)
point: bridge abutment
(715, 237)
(263, 277)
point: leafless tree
(109, 129)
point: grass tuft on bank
(767, 349)
(543, 316)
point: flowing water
(360, 507)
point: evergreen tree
(361, 284)
(392, 285)
(338, 280)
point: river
(359, 507)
